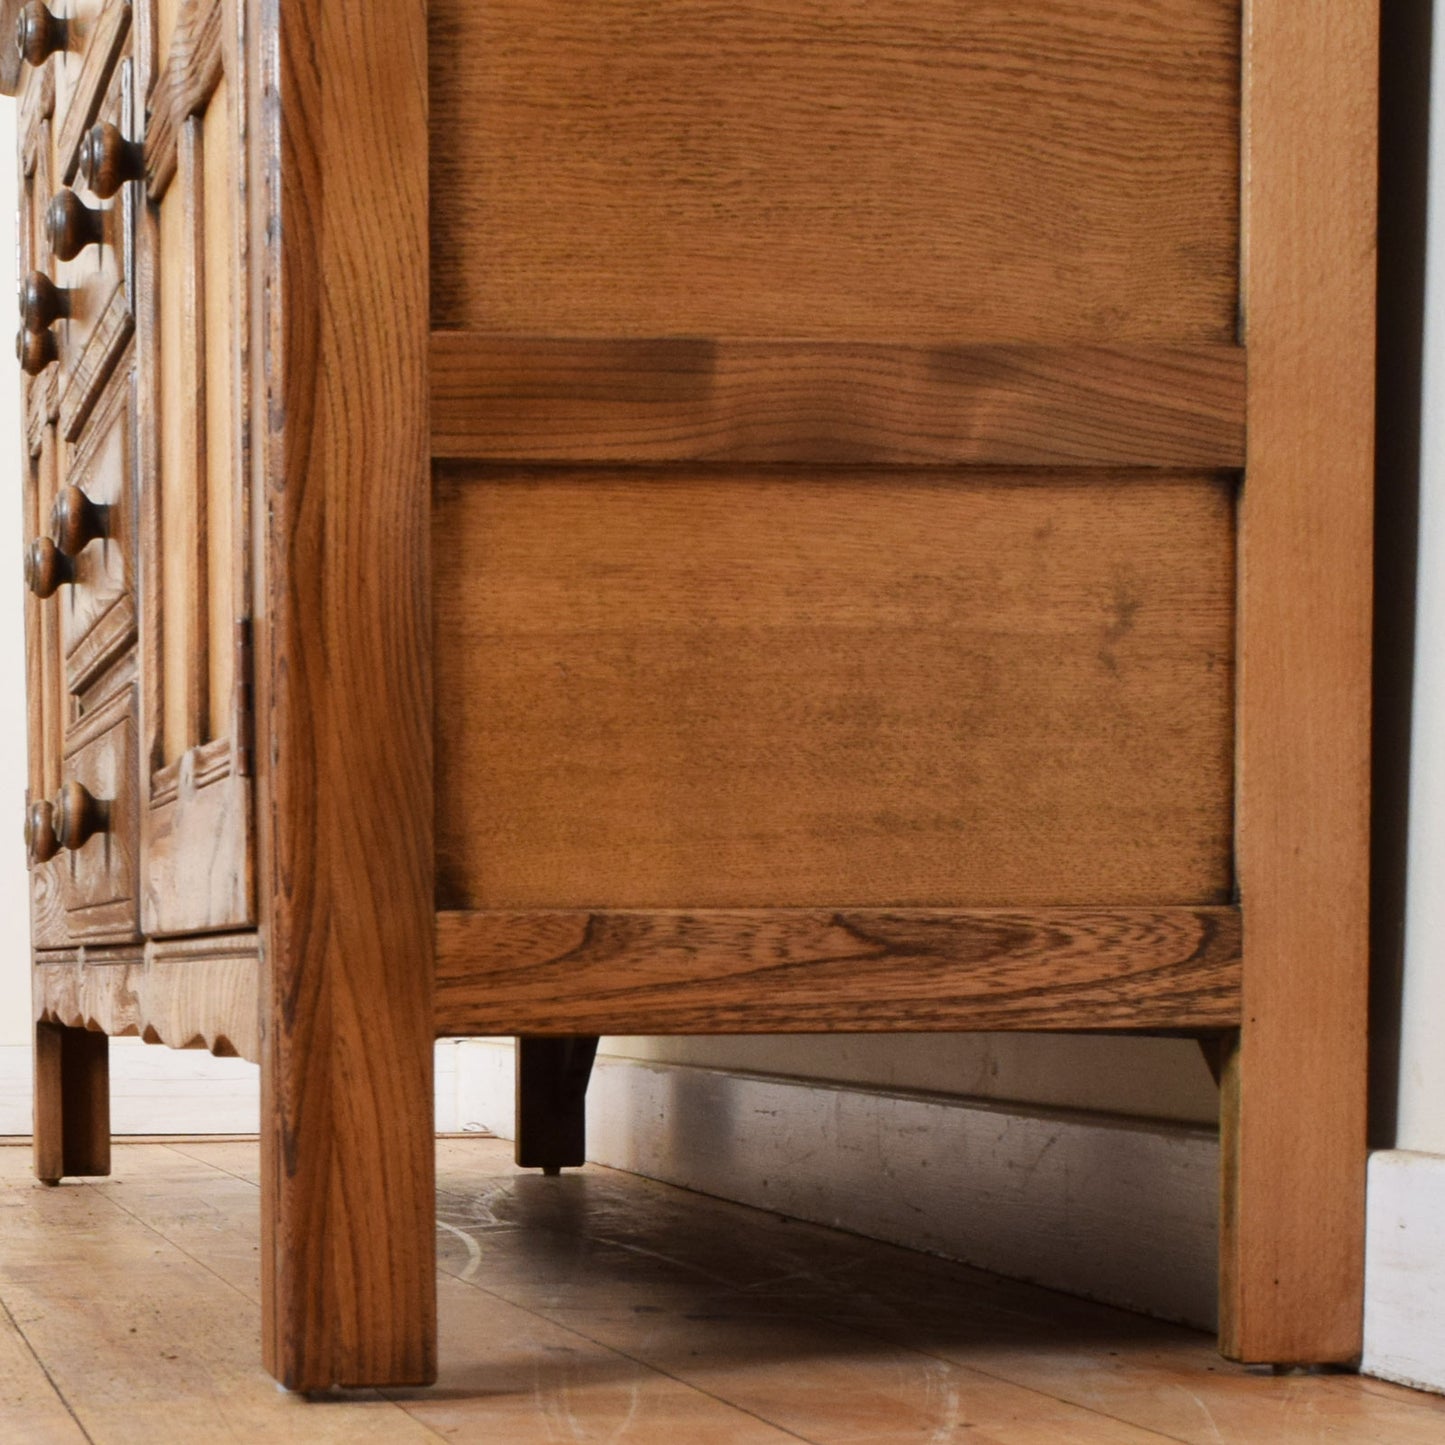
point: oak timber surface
(601, 1306)
(871, 689)
(870, 172)
(680, 399)
(801, 971)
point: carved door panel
(196, 788)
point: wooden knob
(47, 568)
(39, 34)
(42, 302)
(71, 225)
(36, 350)
(76, 521)
(108, 160)
(40, 841)
(79, 816)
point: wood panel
(98, 279)
(193, 40)
(344, 693)
(681, 400)
(904, 169)
(82, 74)
(179, 421)
(99, 880)
(1292, 1251)
(98, 612)
(815, 971)
(184, 993)
(218, 184)
(11, 69)
(873, 689)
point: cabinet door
(196, 791)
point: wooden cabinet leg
(1292, 1216)
(552, 1076)
(72, 1102)
(345, 778)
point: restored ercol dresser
(555, 519)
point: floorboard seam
(45, 1370)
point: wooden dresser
(557, 519)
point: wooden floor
(600, 1306)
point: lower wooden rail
(811, 970)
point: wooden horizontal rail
(806, 970)
(189, 993)
(679, 400)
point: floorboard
(603, 1307)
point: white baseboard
(168, 1091)
(1405, 1269)
(1124, 1212)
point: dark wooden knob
(71, 225)
(36, 350)
(79, 816)
(42, 302)
(76, 521)
(39, 34)
(47, 568)
(40, 840)
(108, 160)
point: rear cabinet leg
(72, 1102)
(552, 1077)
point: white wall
(14, 904)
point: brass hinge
(245, 699)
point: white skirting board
(1120, 1211)
(168, 1091)
(1405, 1269)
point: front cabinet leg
(552, 1077)
(72, 1102)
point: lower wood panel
(806, 688)
(188, 993)
(804, 971)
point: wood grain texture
(219, 304)
(98, 616)
(197, 821)
(177, 415)
(344, 694)
(100, 322)
(1294, 1120)
(10, 66)
(185, 993)
(905, 169)
(193, 68)
(815, 971)
(84, 77)
(72, 1102)
(680, 400)
(98, 882)
(692, 690)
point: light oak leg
(1294, 1140)
(72, 1102)
(552, 1077)
(344, 697)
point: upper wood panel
(697, 690)
(919, 169)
